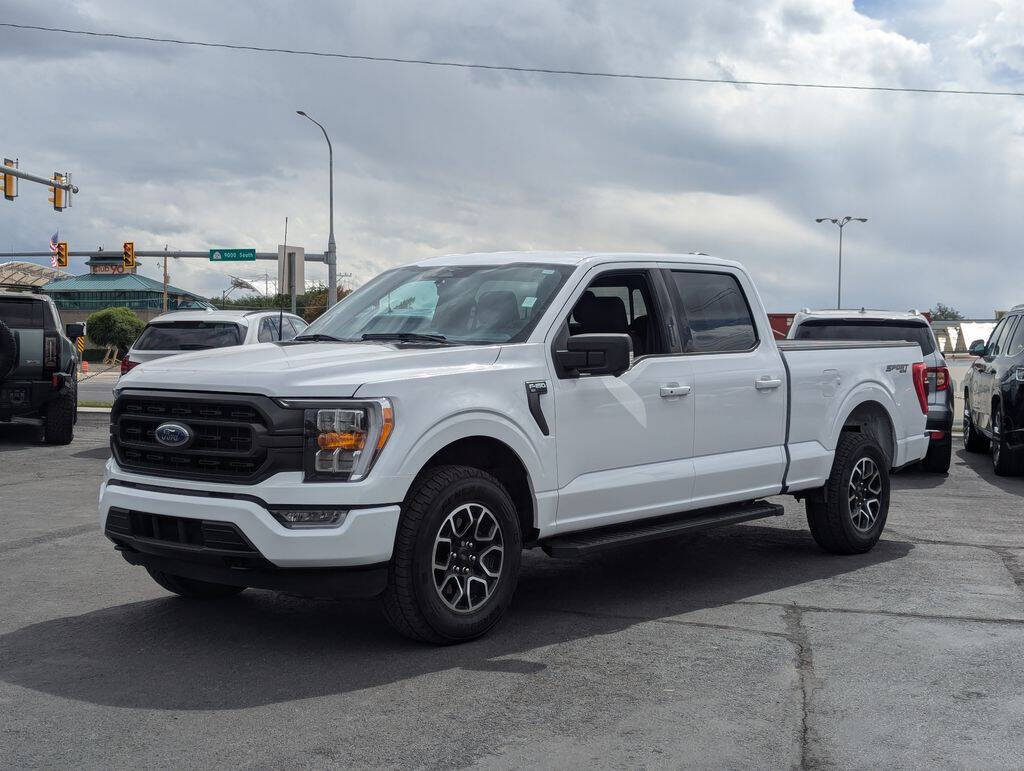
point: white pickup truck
(448, 414)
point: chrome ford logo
(173, 434)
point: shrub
(115, 326)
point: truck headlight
(343, 439)
(1018, 373)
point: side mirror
(977, 348)
(75, 330)
(596, 354)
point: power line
(509, 68)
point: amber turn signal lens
(388, 425)
(348, 440)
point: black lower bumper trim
(350, 582)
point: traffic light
(57, 193)
(62, 254)
(10, 181)
(128, 255)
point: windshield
(867, 330)
(188, 336)
(445, 305)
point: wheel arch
(872, 418)
(495, 446)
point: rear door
(740, 383)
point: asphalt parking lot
(744, 647)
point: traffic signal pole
(16, 172)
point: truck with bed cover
(450, 413)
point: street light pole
(840, 222)
(332, 255)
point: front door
(624, 443)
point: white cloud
(198, 147)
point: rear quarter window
(21, 314)
(867, 329)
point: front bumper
(366, 537)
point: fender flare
(862, 394)
(479, 423)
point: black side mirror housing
(596, 354)
(75, 330)
(977, 348)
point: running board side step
(589, 541)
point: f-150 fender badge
(534, 390)
(901, 368)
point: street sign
(232, 255)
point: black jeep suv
(38, 366)
(994, 395)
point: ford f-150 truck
(448, 414)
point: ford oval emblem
(173, 434)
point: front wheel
(848, 514)
(456, 558)
(193, 589)
(1005, 461)
(974, 441)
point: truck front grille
(233, 438)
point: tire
(974, 441)
(939, 457)
(436, 605)
(193, 589)
(8, 350)
(59, 419)
(1005, 462)
(860, 473)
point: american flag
(53, 248)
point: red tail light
(127, 365)
(941, 377)
(921, 384)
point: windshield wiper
(412, 337)
(319, 337)
(194, 347)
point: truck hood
(303, 369)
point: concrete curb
(95, 409)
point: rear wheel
(1005, 461)
(456, 559)
(59, 420)
(193, 589)
(973, 440)
(848, 514)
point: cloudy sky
(198, 148)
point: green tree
(115, 326)
(943, 312)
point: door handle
(766, 382)
(674, 389)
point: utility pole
(840, 222)
(332, 253)
(165, 278)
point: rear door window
(21, 314)
(714, 316)
(188, 336)
(269, 329)
(867, 329)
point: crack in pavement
(888, 613)
(797, 635)
(56, 535)
(1005, 553)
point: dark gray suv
(38, 366)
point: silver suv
(894, 325)
(180, 331)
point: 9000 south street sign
(232, 255)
